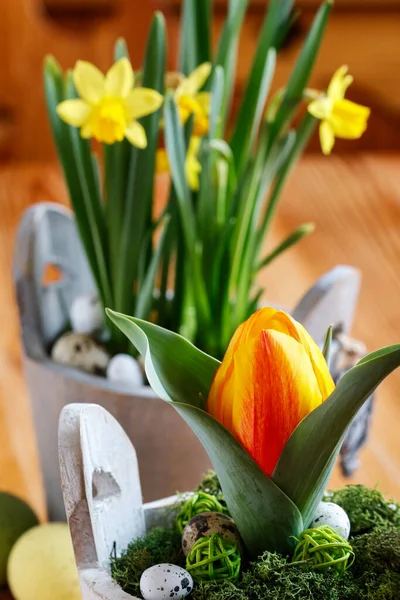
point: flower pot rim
(94, 381)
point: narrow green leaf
(181, 374)
(326, 351)
(307, 460)
(257, 87)
(91, 199)
(175, 144)
(245, 213)
(292, 239)
(177, 371)
(303, 67)
(188, 58)
(217, 96)
(195, 30)
(139, 191)
(227, 53)
(204, 21)
(303, 135)
(54, 92)
(120, 49)
(146, 292)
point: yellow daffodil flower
(191, 101)
(192, 164)
(109, 105)
(339, 117)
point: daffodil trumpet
(268, 415)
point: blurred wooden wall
(362, 33)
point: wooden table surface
(354, 201)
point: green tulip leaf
(177, 371)
(265, 517)
(180, 374)
(307, 460)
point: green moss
(210, 484)
(384, 587)
(272, 577)
(366, 508)
(375, 574)
(160, 545)
(377, 552)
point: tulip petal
(136, 134)
(273, 374)
(318, 362)
(74, 112)
(120, 79)
(142, 101)
(275, 388)
(89, 82)
(220, 399)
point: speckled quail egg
(125, 369)
(79, 350)
(204, 525)
(165, 581)
(329, 513)
(86, 314)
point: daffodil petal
(327, 137)
(320, 108)
(135, 133)
(74, 112)
(339, 83)
(142, 101)
(162, 162)
(86, 131)
(120, 79)
(348, 119)
(275, 388)
(193, 170)
(195, 81)
(204, 99)
(89, 82)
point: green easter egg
(16, 517)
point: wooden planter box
(170, 456)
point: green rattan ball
(324, 548)
(196, 504)
(214, 558)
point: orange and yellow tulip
(272, 376)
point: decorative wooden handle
(100, 481)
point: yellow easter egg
(42, 565)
